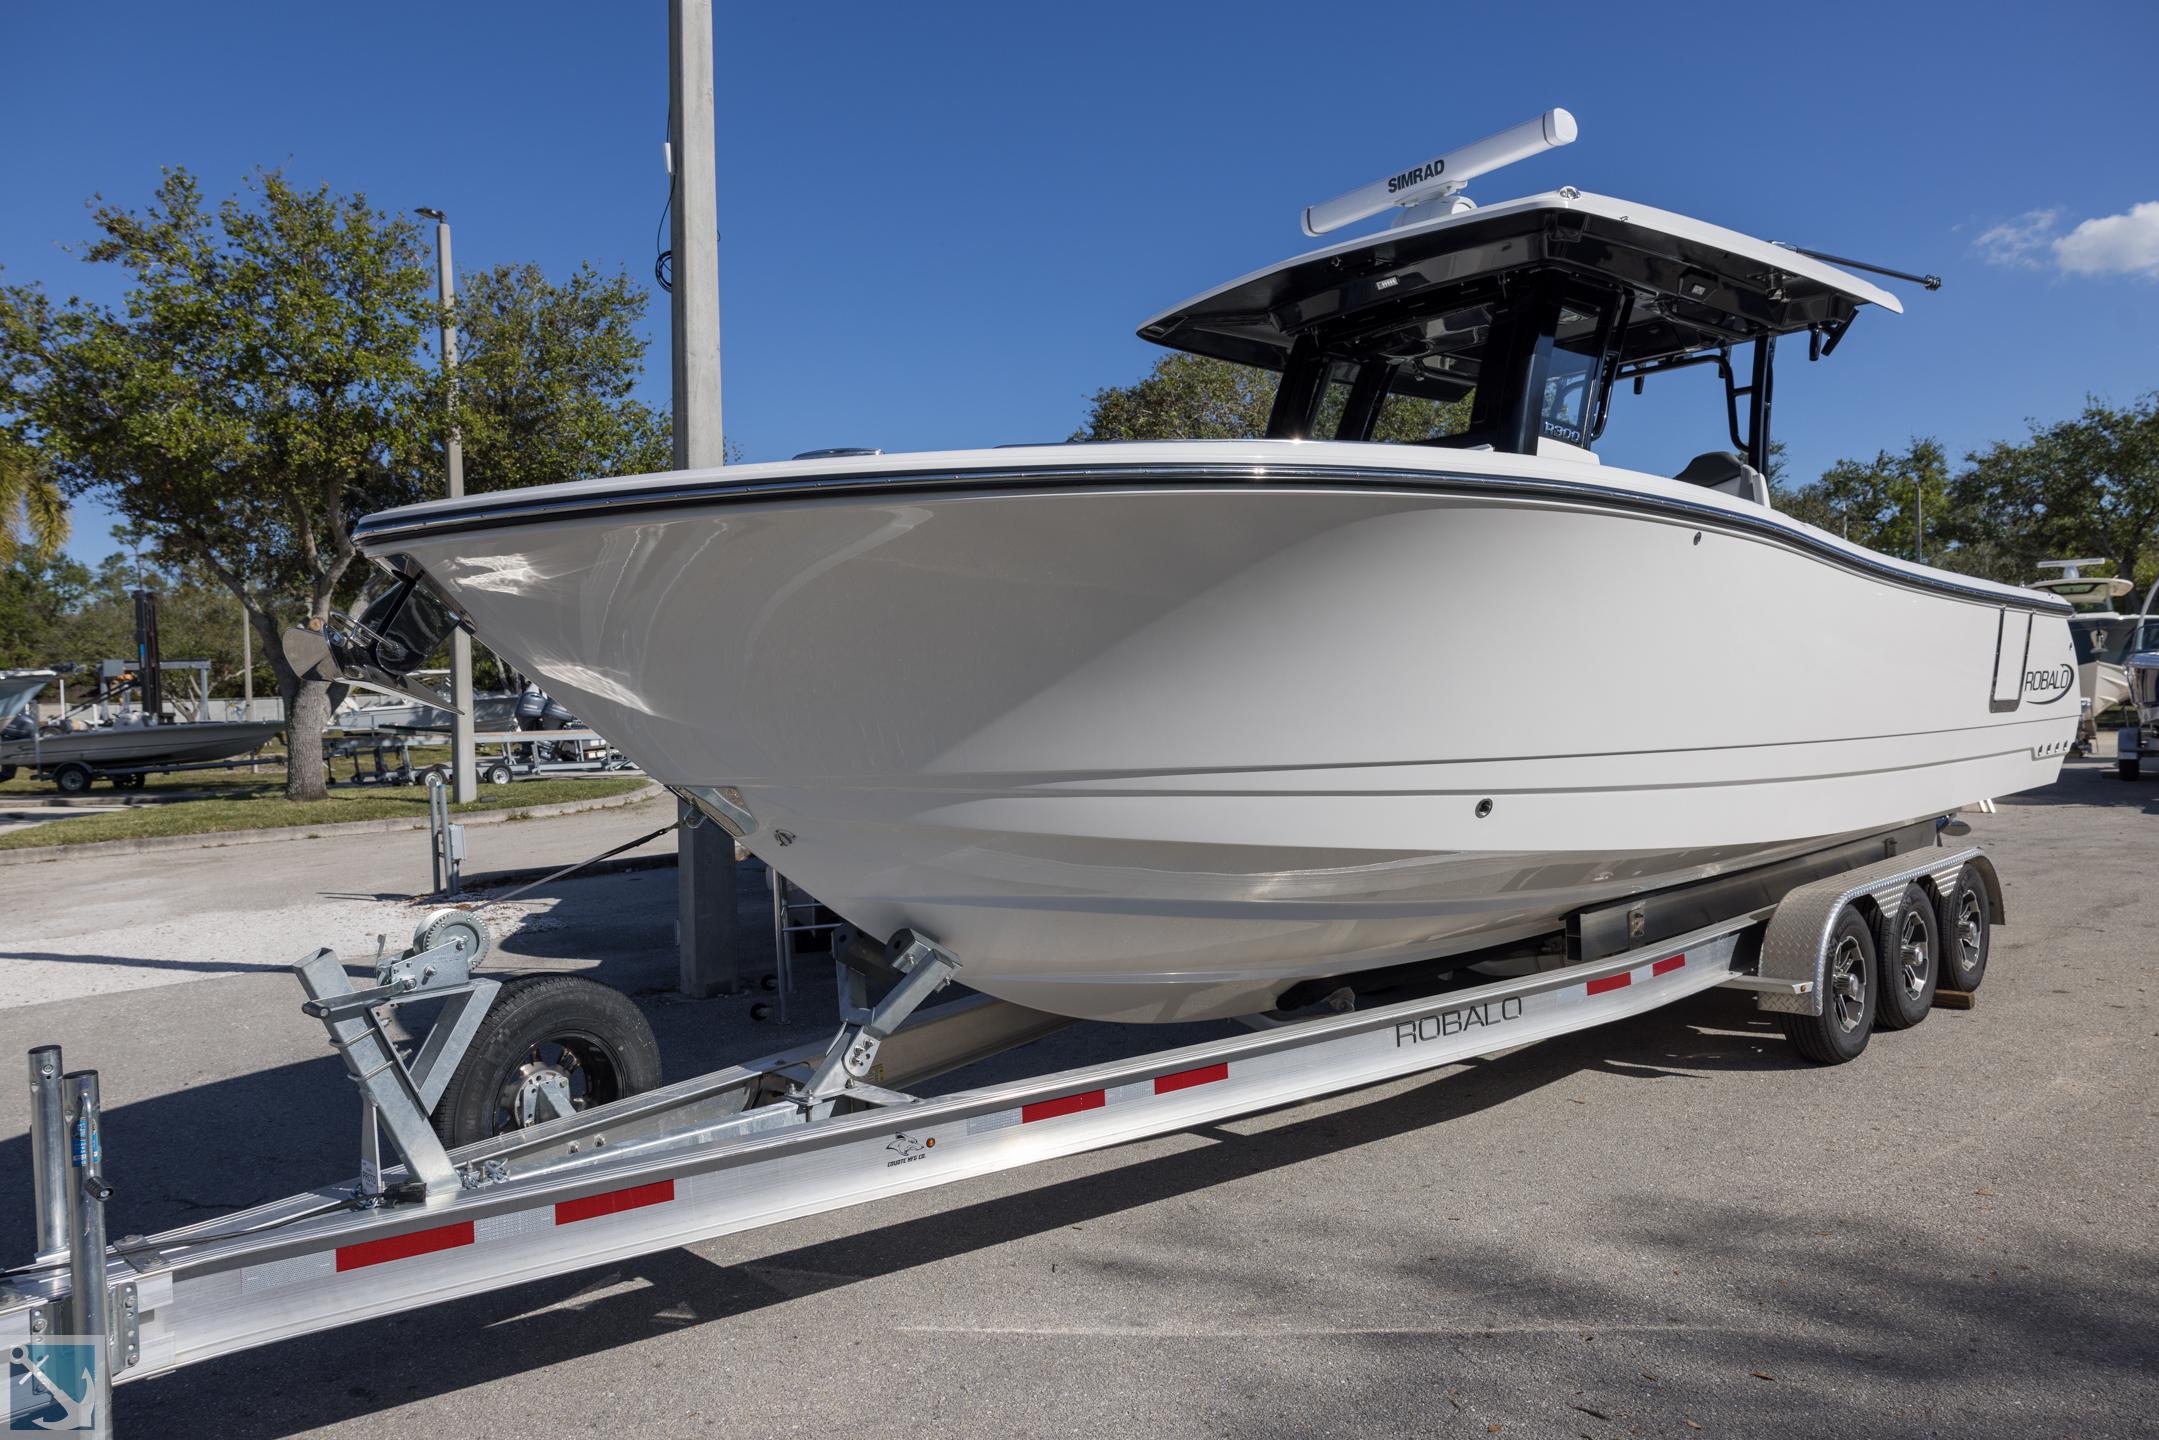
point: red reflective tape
(1611, 982)
(659, 1192)
(1666, 967)
(1186, 1079)
(1068, 1105)
(402, 1247)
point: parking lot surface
(1667, 1227)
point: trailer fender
(1795, 949)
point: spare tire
(546, 1036)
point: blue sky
(941, 224)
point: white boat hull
(1154, 751)
(2104, 683)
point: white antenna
(1440, 181)
(2071, 569)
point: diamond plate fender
(1795, 951)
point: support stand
(848, 1066)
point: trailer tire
(1911, 951)
(1851, 990)
(2128, 767)
(543, 1028)
(1967, 931)
(72, 778)
(496, 774)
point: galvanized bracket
(397, 1098)
(850, 1064)
(126, 1334)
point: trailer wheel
(1911, 961)
(7, 773)
(546, 1033)
(2128, 768)
(72, 778)
(1849, 993)
(496, 774)
(1967, 931)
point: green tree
(269, 379)
(33, 511)
(54, 610)
(2083, 486)
(1193, 397)
(38, 594)
(262, 386)
(545, 374)
(1875, 502)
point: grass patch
(258, 803)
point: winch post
(374, 1066)
(89, 1307)
(48, 1151)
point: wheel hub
(541, 1090)
(1847, 986)
(1912, 958)
(1968, 929)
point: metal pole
(48, 1151)
(705, 894)
(247, 666)
(87, 1193)
(461, 746)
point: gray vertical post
(87, 1194)
(247, 665)
(48, 1151)
(461, 724)
(705, 897)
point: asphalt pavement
(1667, 1227)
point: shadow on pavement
(138, 962)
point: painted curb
(219, 839)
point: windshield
(1570, 375)
(1503, 370)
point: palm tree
(33, 512)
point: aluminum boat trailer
(826, 1126)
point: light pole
(461, 747)
(705, 880)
